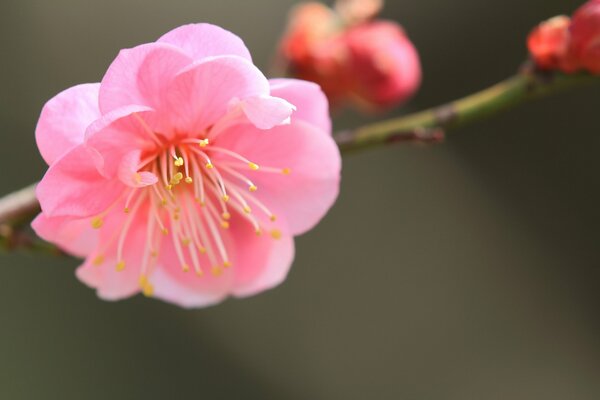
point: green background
(467, 270)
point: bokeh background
(467, 270)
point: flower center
(191, 204)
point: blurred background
(467, 270)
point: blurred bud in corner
(549, 44)
(585, 36)
(356, 59)
(568, 44)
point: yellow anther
(126, 210)
(253, 188)
(216, 271)
(203, 143)
(163, 202)
(98, 261)
(176, 217)
(225, 224)
(165, 231)
(188, 179)
(178, 176)
(148, 290)
(143, 281)
(286, 171)
(227, 264)
(169, 187)
(185, 268)
(276, 234)
(202, 250)
(258, 232)
(199, 273)
(273, 217)
(253, 166)
(209, 166)
(97, 223)
(178, 162)
(154, 254)
(226, 215)
(186, 241)
(225, 198)
(247, 210)
(120, 266)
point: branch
(429, 126)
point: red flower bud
(549, 44)
(372, 64)
(585, 36)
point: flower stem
(429, 126)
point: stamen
(98, 260)
(125, 230)
(251, 186)
(97, 222)
(215, 233)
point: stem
(429, 126)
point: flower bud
(383, 63)
(585, 36)
(371, 64)
(549, 44)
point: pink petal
(109, 283)
(201, 94)
(73, 187)
(303, 197)
(128, 171)
(64, 119)
(310, 101)
(260, 262)
(205, 40)
(75, 236)
(140, 76)
(118, 133)
(266, 112)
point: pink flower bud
(585, 36)
(383, 63)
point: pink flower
(185, 173)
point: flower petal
(117, 133)
(310, 101)
(128, 171)
(205, 40)
(266, 112)
(306, 194)
(260, 262)
(64, 119)
(202, 94)
(99, 269)
(75, 236)
(140, 76)
(73, 187)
